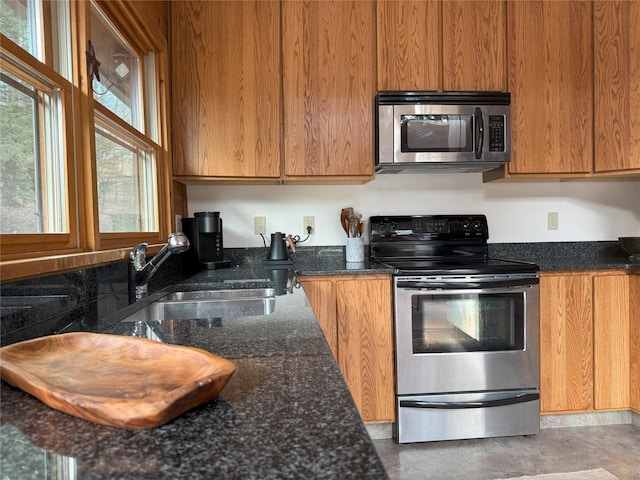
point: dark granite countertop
(567, 256)
(285, 413)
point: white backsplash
(516, 212)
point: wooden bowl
(114, 380)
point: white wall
(517, 212)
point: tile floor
(615, 448)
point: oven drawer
(424, 418)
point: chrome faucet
(141, 271)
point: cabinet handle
(479, 133)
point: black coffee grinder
(204, 231)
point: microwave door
(437, 133)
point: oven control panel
(426, 227)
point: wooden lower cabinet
(588, 342)
(566, 343)
(611, 341)
(634, 341)
(355, 314)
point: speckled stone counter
(567, 256)
(286, 412)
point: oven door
(470, 334)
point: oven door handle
(521, 398)
(467, 285)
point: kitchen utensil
(344, 220)
(114, 380)
(631, 245)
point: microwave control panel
(496, 133)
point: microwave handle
(479, 133)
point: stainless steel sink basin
(208, 304)
(220, 295)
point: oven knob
(466, 225)
(477, 226)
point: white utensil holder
(354, 251)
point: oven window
(443, 323)
(436, 133)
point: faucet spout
(141, 271)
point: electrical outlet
(309, 222)
(260, 225)
(552, 221)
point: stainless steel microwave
(442, 131)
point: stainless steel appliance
(442, 131)
(466, 330)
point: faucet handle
(138, 256)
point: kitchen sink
(208, 304)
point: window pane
(119, 86)
(32, 193)
(127, 194)
(20, 21)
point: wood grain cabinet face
(611, 341)
(226, 89)
(474, 45)
(365, 345)
(588, 344)
(634, 341)
(328, 88)
(322, 298)
(566, 343)
(435, 45)
(550, 65)
(409, 38)
(617, 89)
(361, 324)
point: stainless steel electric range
(466, 330)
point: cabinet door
(322, 298)
(365, 344)
(551, 84)
(329, 88)
(611, 341)
(566, 345)
(409, 42)
(634, 341)
(617, 91)
(473, 45)
(226, 88)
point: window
(125, 170)
(32, 169)
(81, 163)
(21, 22)
(125, 158)
(118, 85)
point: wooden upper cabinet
(617, 88)
(328, 88)
(473, 45)
(441, 45)
(409, 45)
(550, 65)
(226, 88)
